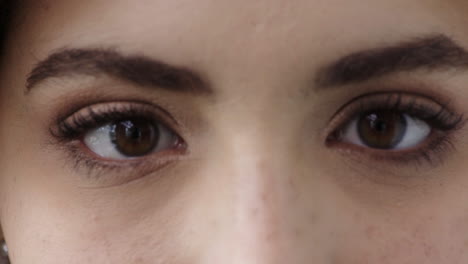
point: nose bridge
(258, 206)
(261, 192)
(262, 182)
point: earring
(4, 253)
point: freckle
(357, 216)
(312, 217)
(213, 225)
(384, 258)
(370, 231)
(427, 250)
(95, 218)
(45, 5)
(298, 232)
(254, 212)
(271, 236)
(139, 260)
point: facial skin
(258, 177)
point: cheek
(42, 233)
(46, 222)
(429, 239)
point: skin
(259, 184)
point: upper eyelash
(440, 117)
(73, 126)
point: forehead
(236, 22)
(237, 34)
(245, 12)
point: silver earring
(4, 253)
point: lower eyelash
(432, 152)
(95, 168)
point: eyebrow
(437, 52)
(136, 69)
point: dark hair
(5, 12)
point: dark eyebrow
(429, 53)
(137, 69)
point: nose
(264, 220)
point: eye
(397, 127)
(129, 138)
(386, 130)
(118, 142)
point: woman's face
(269, 131)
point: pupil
(377, 123)
(133, 132)
(382, 129)
(380, 126)
(134, 138)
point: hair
(5, 14)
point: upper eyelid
(92, 105)
(89, 114)
(395, 100)
(374, 101)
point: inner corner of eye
(336, 135)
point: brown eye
(385, 130)
(382, 129)
(134, 138)
(130, 138)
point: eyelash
(442, 120)
(72, 127)
(69, 131)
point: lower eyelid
(432, 152)
(98, 172)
